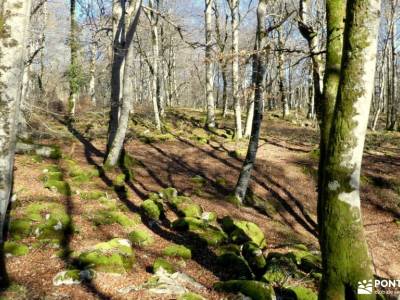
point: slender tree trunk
(281, 73)
(344, 249)
(224, 90)
(92, 82)
(210, 123)
(249, 117)
(118, 27)
(234, 7)
(311, 35)
(73, 69)
(127, 97)
(155, 78)
(258, 78)
(15, 18)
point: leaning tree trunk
(210, 123)
(344, 249)
(127, 97)
(234, 6)
(73, 68)
(14, 16)
(249, 117)
(258, 78)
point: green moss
(61, 187)
(254, 256)
(300, 293)
(189, 223)
(164, 264)
(178, 251)
(50, 176)
(234, 266)
(307, 261)
(51, 168)
(190, 296)
(119, 180)
(243, 231)
(279, 268)
(209, 216)
(211, 235)
(151, 209)
(79, 174)
(108, 217)
(114, 256)
(141, 238)
(15, 249)
(168, 194)
(19, 228)
(221, 181)
(198, 180)
(254, 289)
(233, 248)
(188, 209)
(45, 220)
(92, 195)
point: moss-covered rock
(306, 260)
(279, 268)
(164, 264)
(45, 220)
(212, 235)
(189, 223)
(152, 209)
(108, 217)
(189, 209)
(190, 296)
(140, 238)
(92, 195)
(56, 176)
(79, 174)
(254, 257)
(15, 249)
(178, 251)
(234, 266)
(198, 180)
(168, 194)
(209, 216)
(71, 277)
(243, 231)
(254, 289)
(299, 293)
(61, 187)
(114, 256)
(233, 248)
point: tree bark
(258, 78)
(15, 18)
(234, 7)
(210, 122)
(127, 97)
(73, 84)
(344, 249)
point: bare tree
(210, 123)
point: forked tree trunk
(127, 97)
(344, 249)
(258, 78)
(210, 122)
(14, 16)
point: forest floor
(203, 166)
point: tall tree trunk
(258, 78)
(118, 27)
(155, 77)
(210, 122)
(311, 35)
(127, 97)
(344, 249)
(250, 116)
(224, 90)
(281, 75)
(234, 7)
(13, 27)
(92, 81)
(73, 69)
